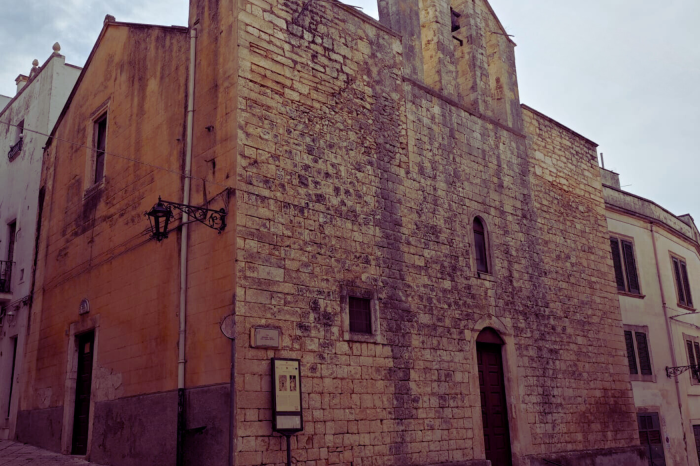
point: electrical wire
(157, 167)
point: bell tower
(460, 49)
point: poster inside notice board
(286, 380)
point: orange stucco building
(94, 247)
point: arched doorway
(494, 410)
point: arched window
(480, 251)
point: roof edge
(562, 126)
(649, 201)
(30, 81)
(146, 25)
(498, 21)
(106, 26)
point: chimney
(21, 81)
(610, 178)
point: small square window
(359, 309)
(360, 312)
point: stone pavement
(18, 454)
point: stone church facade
(384, 173)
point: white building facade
(656, 255)
(24, 119)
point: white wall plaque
(264, 337)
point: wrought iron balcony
(5, 276)
(16, 149)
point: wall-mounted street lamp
(162, 213)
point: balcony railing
(16, 149)
(5, 276)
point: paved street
(12, 453)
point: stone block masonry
(350, 175)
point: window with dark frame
(650, 437)
(12, 239)
(693, 348)
(16, 148)
(360, 312)
(638, 356)
(625, 266)
(455, 20)
(480, 252)
(680, 272)
(100, 147)
(696, 433)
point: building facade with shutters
(434, 254)
(656, 256)
(25, 119)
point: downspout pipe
(674, 360)
(183, 254)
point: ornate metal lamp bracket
(214, 219)
(676, 371)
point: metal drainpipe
(674, 361)
(183, 255)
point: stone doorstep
(14, 453)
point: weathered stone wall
(572, 344)
(352, 176)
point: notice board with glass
(287, 416)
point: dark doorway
(696, 432)
(86, 343)
(650, 437)
(12, 374)
(494, 411)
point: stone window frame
(485, 222)
(694, 339)
(645, 330)
(102, 111)
(347, 291)
(678, 257)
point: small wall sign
(287, 417)
(84, 307)
(265, 337)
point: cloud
(28, 29)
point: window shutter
(631, 267)
(686, 284)
(631, 358)
(691, 356)
(679, 281)
(643, 348)
(617, 262)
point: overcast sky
(624, 73)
